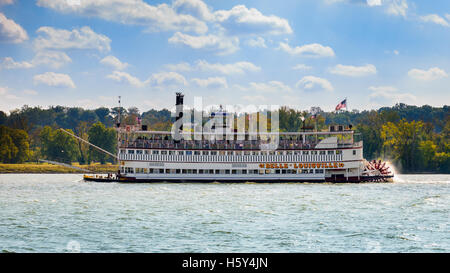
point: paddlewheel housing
(377, 170)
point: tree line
(415, 139)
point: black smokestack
(179, 116)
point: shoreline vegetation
(414, 139)
(45, 168)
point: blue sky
(299, 53)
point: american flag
(341, 105)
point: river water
(61, 213)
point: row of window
(212, 171)
(164, 152)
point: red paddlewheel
(380, 166)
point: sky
(298, 53)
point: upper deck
(238, 141)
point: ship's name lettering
(326, 165)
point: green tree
(403, 140)
(8, 150)
(14, 145)
(104, 138)
(57, 145)
(83, 147)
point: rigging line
(77, 137)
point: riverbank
(49, 168)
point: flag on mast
(341, 105)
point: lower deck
(333, 179)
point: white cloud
(6, 2)
(54, 79)
(310, 50)
(167, 78)
(257, 42)
(3, 90)
(301, 67)
(184, 67)
(157, 79)
(212, 82)
(83, 38)
(397, 7)
(10, 31)
(354, 71)
(241, 20)
(393, 7)
(373, 3)
(431, 74)
(161, 17)
(274, 87)
(120, 76)
(389, 94)
(196, 8)
(220, 44)
(233, 68)
(314, 83)
(54, 59)
(434, 18)
(114, 62)
(9, 63)
(271, 86)
(30, 92)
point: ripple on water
(44, 213)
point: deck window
(131, 152)
(330, 152)
(305, 152)
(139, 152)
(180, 152)
(155, 152)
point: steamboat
(335, 155)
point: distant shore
(49, 168)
